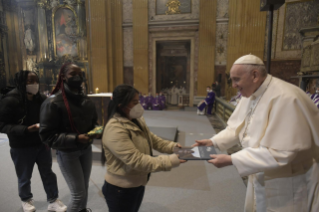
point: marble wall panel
(128, 76)
(297, 16)
(194, 15)
(294, 15)
(127, 11)
(128, 46)
(285, 69)
(221, 44)
(222, 8)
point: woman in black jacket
(19, 119)
(66, 116)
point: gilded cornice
(42, 4)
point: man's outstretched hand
(204, 142)
(221, 160)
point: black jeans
(123, 199)
(24, 160)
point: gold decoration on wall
(173, 7)
(220, 49)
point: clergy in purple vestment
(141, 98)
(143, 101)
(209, 101)
(156, 103)
(149, 101)
(162, 100)
(315, 95)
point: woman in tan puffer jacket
(127, 144)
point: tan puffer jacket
(127, 152)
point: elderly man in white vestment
(278, 127)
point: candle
(96, 90)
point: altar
(101, 102)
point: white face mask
(317, 91)
(136, 111)
(33, 88)
(207, 90)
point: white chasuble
(278, 127)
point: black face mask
(75, 82)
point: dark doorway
(173, 70)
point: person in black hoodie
(19, 119)
(65, 119)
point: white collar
(262, 88)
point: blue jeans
(76, 169)
(24, 160)
(123, 199)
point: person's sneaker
(28, 206)
(57, 206)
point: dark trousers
(123, 199)
(24, 160)
(209, 109)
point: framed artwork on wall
(65, 31)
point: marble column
(207, 42)
(12, 41)
(43, 52)
(140, 45)
(80, 10)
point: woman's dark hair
(60, 86)
(20, 81)
(122, 96)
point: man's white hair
(261, 68)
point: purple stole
(314, 96)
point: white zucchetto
(249, 60)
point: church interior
(171, 48)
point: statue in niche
(29, 40)
(54, 3)
(31, 65)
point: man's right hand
(33, 128)
(83, 138)
(204, 142)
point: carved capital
(42, 3)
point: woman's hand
(83, 139)
(34, 128)
(178, 145)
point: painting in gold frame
(65, 30)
